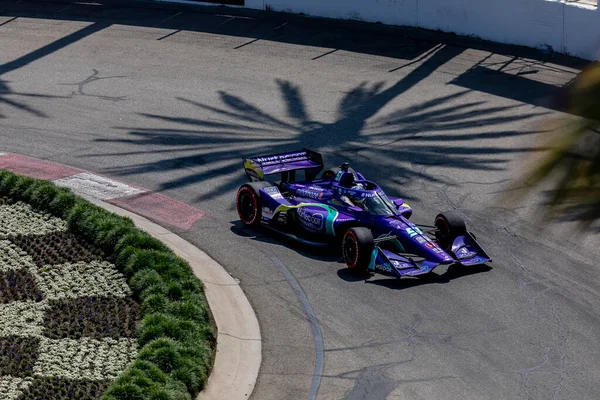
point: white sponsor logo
(267, 213)
(273, 192)
(413, 231)
(283, 157)
(307, 193)
(383, 267)
(463, 252)
(311, 221)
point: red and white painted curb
(155, 206)
(239, 347)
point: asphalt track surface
(171, 99)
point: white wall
(582, 32)
(566, 28)
(393, 12)
(256, 4)
(534, 23)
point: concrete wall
(393, 12)
(535, 23)
(582, 32)
(546, 24)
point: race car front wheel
(357, 247)
(248, 203)
(449, 225)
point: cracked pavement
(445, 124)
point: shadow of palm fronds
(433, 132)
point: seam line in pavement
(314, 325)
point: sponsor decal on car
(413, 231)
(282, 157)
(421, 239)
(308, 193)
(311, 221)
(475, 260)
(273, 192)
(383, 267)
(463, 252)
(367, 194)
(401, 265)
(267, 213)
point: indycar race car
(373, 230)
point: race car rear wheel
(329, 174)
(357, 247)
(248, 203)
(449, 225)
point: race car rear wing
(285, 164)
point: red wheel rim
(328, 176)
(350, 249)
(247, 205)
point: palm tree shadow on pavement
(401, 138)
(6, 93)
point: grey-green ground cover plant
(90, 306)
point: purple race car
(373, 230)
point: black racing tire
(449, 225)
(357, 247)
(248, 204)
(330, 173)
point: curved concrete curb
(238, 355)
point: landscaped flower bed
(91, 307)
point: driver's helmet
(359, 201)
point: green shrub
(63, 203)
(190, 310)
(40, 194)
(140, 240)
(176, 339)
(7, 182)
(112, 231)
(155, 326)
(125, 391)
(19, 187)
(162, 352)
(191, 374)
(154, 303)
(173, 390)
(165, 263)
